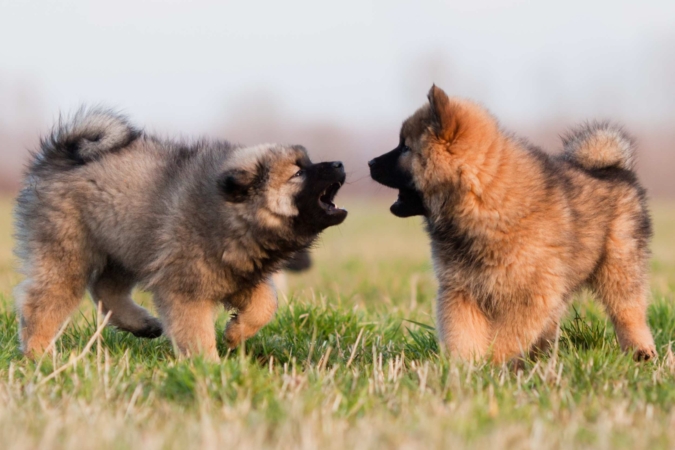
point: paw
(233, 337)
(232, 343)
(233, 332)
(151, 330)
(517, 364)
(33, 352)
(644, 354)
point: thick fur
(600, 145)
(515, 232)
(90, 133)
(106, 207)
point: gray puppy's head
(279, 188)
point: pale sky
(188, 63)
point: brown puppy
(515, 232)
(106, 207)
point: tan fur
(534, 229)
(258, 309)
(189, 325)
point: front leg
(189, 323)
(256, 309)
(463, 328)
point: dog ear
(236, 184)
(443, 115)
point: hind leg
(113, 289)
(255, 311)
(620, 284)
(53, 289)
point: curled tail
(89, 134)
(600, 145)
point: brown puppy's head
(438, 152)
(393, 170)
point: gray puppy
(105, 207)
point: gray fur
(90, 133)
(122, 208)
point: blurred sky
(355, 63)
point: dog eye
(405, 149)
(299, 173)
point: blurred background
(339, 77)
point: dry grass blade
(82, 354)
(356, 345)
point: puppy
(106, 207)
(516, 232)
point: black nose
(371, 163)
(337, 165)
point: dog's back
(113, 186)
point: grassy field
(350, 361)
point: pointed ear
(443, 114)
(236, 184)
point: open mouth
(409, 203)
(327, 197)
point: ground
(350, 361)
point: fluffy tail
(600, 145)
(90, 133)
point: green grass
(350, 361)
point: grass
(350, 361)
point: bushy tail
(90, 133)
(599, 145)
